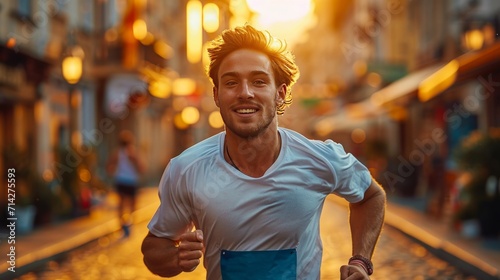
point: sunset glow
(287, 19)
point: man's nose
(246, 91)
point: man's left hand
(353, 272)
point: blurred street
(410, 88)
(111, 256)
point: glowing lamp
(210, 17)
(194, 36)
(72, 69)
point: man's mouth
(246, 111)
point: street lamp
(211, 17)
(72, 68)
(199, 17)
(473, 39)
(72, 65)
(194, 36)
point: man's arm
(366, 220)
(168, 258)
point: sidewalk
(51, 241)
(478, 257)
(47, 243)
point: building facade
(58, 133)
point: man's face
(247, 94)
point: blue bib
(262, 265)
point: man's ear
(280, 97)
(216, 96)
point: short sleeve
(173, 216)
(352, 177)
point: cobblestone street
(239, 117)
(113, 257)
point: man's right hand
(190, 246)
(168, 258)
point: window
(23, 11)
(24, 8)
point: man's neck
(252, 156)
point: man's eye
(259, 82)
(230, 83)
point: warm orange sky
(286, 19)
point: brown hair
(246, 37)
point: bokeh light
(140, 29)
(179, 122)
(215, 120)
(194, 29)
(211, 17)
(291, 23)
(190, 115)
(295, 9)
(358, 135)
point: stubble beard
(254, 131)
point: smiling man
(248, 200)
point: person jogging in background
(126, 166)
(249, 199)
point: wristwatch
(364, 262)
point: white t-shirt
(280, 210)
(126, 172)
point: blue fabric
(262, 265)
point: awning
(467, 66)
(389, 100)
(338, 122)
(403, 89)
(354, 115)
